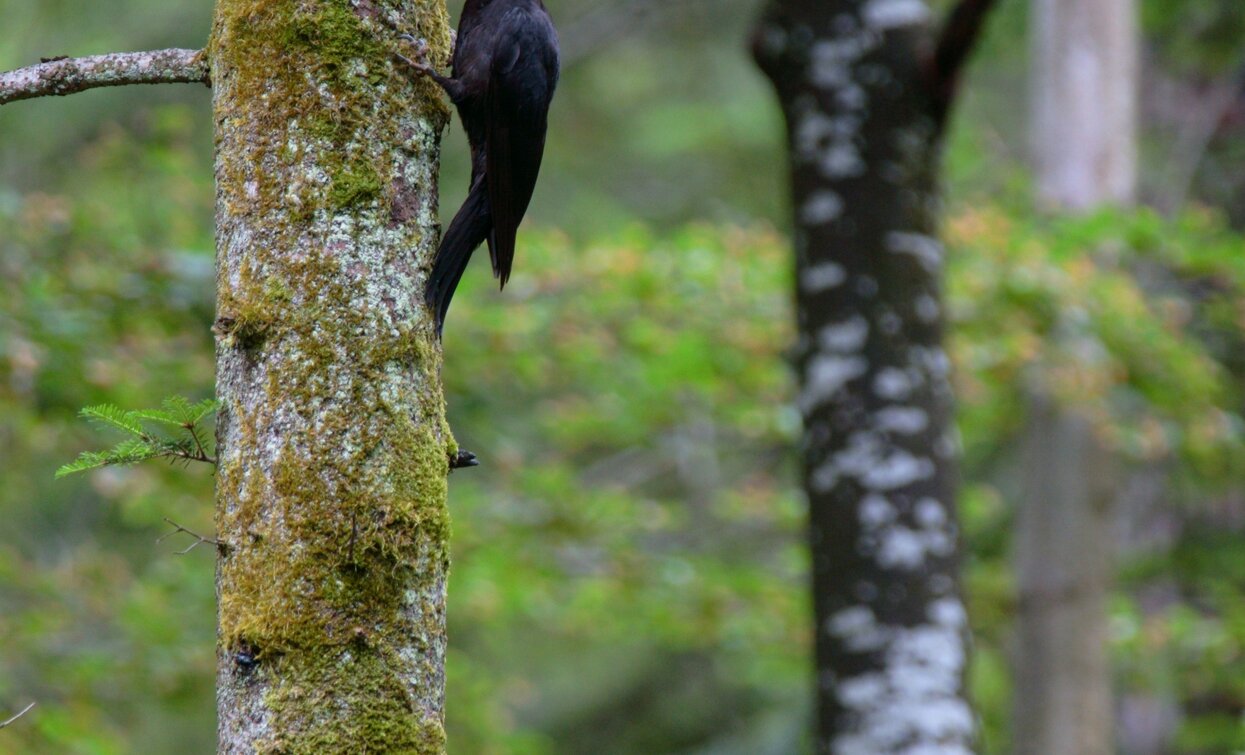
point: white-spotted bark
(865, 96)
(333, 447)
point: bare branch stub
(61, 76)
(23, 712)
(956, 42)
(199, 539)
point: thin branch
(19, 715)
(955, 44)
(199, 455)
(69, 75)
(1193, 140)
(169, 451)
(199, 539)
(202, 452)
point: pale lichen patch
(822, 207)
(890, 14)
(822, 276)
(874, 463)
(826, 375)
(844, 337)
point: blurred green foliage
(1132, 319)
(1196, 36)
(105, 297)
(629, 564)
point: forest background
(630, 562)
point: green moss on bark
(355, 183)
(310, 690)
(361, 488)
(327, 78)
(334, 446)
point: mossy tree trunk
(865, 92)
(333, 446)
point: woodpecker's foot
(420, 67)
(463, 459)
(418, 64)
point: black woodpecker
(504, 71)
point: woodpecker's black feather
(504, 72)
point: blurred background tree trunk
(1084, 78)
(865, 102)
(1063, 544)
(333, 445)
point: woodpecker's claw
(462, 459)
(421, 51)
(421, 46)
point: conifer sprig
(185, 442)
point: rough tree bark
(333, 447)
(333, 451)
(1085, 64)
(866, 96)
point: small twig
(69, 75)
(198, 456)
(354, 536)
(203, 454)
(199, 539)
(23, 712)
(172, 452)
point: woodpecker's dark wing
(521, 82)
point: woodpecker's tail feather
(470, 227)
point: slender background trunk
(333, 445)
(1063, 554)
(865, 103)
(1085, 63)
